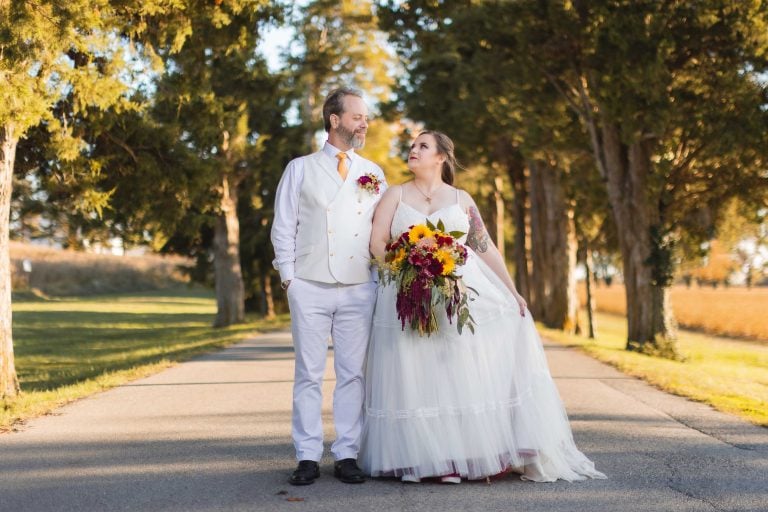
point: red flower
(369, 182)
(418, 258)
(434, 267)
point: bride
(453, 406)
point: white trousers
(343, 312)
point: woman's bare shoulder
(391, 192)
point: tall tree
(553, 247)
(463, 78)
(172, 169)
(510, 158)
(670, 95)
(47, 50)
(219, 96)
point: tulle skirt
(471, 404)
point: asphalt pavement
(213, 434)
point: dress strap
(401, 192)
(458, 203)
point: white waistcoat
(334, 227)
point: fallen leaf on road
(294, 499)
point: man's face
(353, 122)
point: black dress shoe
(306, 473)
(347, 471)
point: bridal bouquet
(422, 263)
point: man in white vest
(323, 214)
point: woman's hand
(521, 302)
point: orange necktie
(342, 167)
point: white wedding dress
(471, 404)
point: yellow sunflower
(446, 258)
(418, 232)
(398, 258)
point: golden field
(734, 311)
(60, 272)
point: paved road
(213, 435)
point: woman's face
(423, 155)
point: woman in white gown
(453, 405)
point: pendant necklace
(427, 197)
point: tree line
(629, 124)
(617, 126)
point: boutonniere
(369, 182)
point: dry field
(59, 272)
(734, 311)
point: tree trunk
(499, 200)
(540, 257)
(627, 168)
(9, 382)
(230, 291)
(268, 296)
(554, 246)
(590, 306)
(516, 173)
(569, 295)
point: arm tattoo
(477, 238)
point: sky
(274, 42)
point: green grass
(69, 348)
(731, 375)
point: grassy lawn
(731, 375)
(68, 348)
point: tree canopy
(633, 127)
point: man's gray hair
(334, 103)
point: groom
(323, 214)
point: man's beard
(350, 139)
